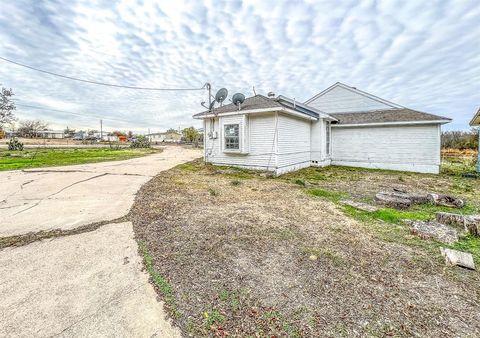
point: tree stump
(445, 200)
(470, 223)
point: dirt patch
(246, 255)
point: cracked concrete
(74, 283)
(72, 196)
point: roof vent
(271, 95)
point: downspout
(478, 155)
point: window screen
(232, 136)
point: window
(327, 135)
(232, 137)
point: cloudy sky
(421, 54)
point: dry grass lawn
(236, 254)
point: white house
(341, 126)
(51, 133)
(168, 137)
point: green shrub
(141, 142)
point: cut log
(434, 230)
(470, 223)
(400, 199)
(445, 200)
(455, 257)
(392, 200)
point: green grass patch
(161, 282)
(280, 323)
(190, 166)
(212, 192)
(395, 232)
(34, 158)
(333, 196)
(469, 244)
(396, 216)
(457, 165)
(213, 317)
(299, 182)
(235, 182)
(236, 172)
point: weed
(212, 192)
(162, 284)
(213, 317)
(299, 182)
(333, 196)
(276, 319)
(328, 253)
(235, 182)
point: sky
(421, 54)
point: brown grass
(260, 257)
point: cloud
(422, 55)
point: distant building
(167, 137)
(57, 134)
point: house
(58, 134)
(475, 122)
(340, 126)
(168, 136)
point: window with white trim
(327, 135)
(232, 136)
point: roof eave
(321, 114)
(258, 111)
(475, 122)
(395, 123)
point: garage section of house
(371, 132)
(396, 139)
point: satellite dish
(221, 95)
(238, 99)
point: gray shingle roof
(388, 115)
(253, 102)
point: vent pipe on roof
(271, 95)
(294, 103)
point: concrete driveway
(88, 279)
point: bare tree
(7, 106)
(30, 128)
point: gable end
(342, 98)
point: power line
(77, 114)
(98, 83)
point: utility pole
(101, 130)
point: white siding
(293, 141)
(340, 99)
(258, 137)
(409, 148)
